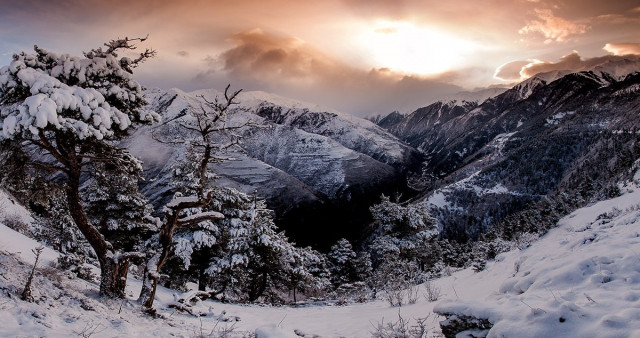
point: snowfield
(581, 279)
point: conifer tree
(67, 114)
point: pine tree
(342, 264)
(67, 114)
(401, 232)
(241, 257)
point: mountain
(561, 135)
(318, 169)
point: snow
(14, 242)
(53, 102)
(202, 215)
(581, 279)
(439, 200)
(555, 119)
(272, 331)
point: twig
(589, 298)
(285, 316)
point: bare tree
(185, 211)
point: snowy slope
(581, 279)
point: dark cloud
(291, 67)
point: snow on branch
(92, 97)
(194, 219)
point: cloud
(622, 48)
(510, 71)
(520, 70)
(554, 28)
(182, 53)
(265, 56)
(617, 19)
(291, 67)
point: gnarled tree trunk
(113, 269)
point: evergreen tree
(342, 263)
(401, 232)
(67, 114)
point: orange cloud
(554, 28)
(291, 67)
(520, 70)
(510, 71)
(260, 55)
(622, 48)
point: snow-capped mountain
(311, 164)
(556, 133)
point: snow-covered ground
(582, 279)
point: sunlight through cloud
(408, 48)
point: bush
(75, 264)
(16, 223)
(402, 328)
(431, 292)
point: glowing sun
(407, 48)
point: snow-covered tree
(208, 135)
(67, 114)
(401, 232)
(241, 257)
(118, 209)
(342, 266)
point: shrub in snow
(402, 328)
(458, 325)
(16, 223)
(431, 291)
(75, 264)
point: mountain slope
(315, 167)
(573, 136)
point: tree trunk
(148, 291)
(113, 277)
(152, 270)
(203, 279)
(258, 287)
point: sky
(364, 57)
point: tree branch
(193, 220)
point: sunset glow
(359, 56)
(406, 48)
